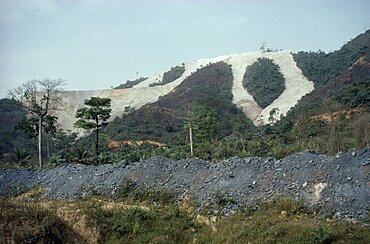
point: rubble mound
(338, 185)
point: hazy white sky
(95, 44)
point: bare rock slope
(296, 84)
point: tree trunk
(242, 142)
(191, 140)
(48, 146)
(97, 139)
(40, 142)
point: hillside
(337, 71)
(328, 111)
(258, 121)
(151, 89)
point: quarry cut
(297, 85)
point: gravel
(338, 185)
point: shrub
(173, 74)
(131, 83)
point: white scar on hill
(296, 86)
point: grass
(137, 225)
(284, 221)
(132, 218)
(129, 191)
(29, 223)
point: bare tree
(39, 98)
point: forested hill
(342, 75)
(316, 100)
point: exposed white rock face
(296, 86)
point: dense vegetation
(173, 74)
(131, 83)
(321, 67)
(208, 88)
(264, 81)
(10, 115)
(347, 68)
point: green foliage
(223, 130)
(21, 155)
(173, 74)
(129, 191)
(38, 98)
(135, 225)
(264, 81)
(318, 234)
(283, 221)
(356, 94)
(205, 125)
(10, 115)
(321, 67)
(130, 84)
(280, 220)
(31, 125)
(28, 223)
(335, 71)
(209, 87)
(94, 116)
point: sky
(96, 44)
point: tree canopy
(94, 116)
(264, 81)
(39, 98)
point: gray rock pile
(339, 185)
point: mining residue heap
(337, 185)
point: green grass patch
(283, 221)
(137, 225)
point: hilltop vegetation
(264, 81)
(173, 74)
(344, 69)
(131, 83)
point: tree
(206, 124)
(188, 121)
(274, 115)
(362, 130)
(333, 110)
(39, 98)
(94, 116)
